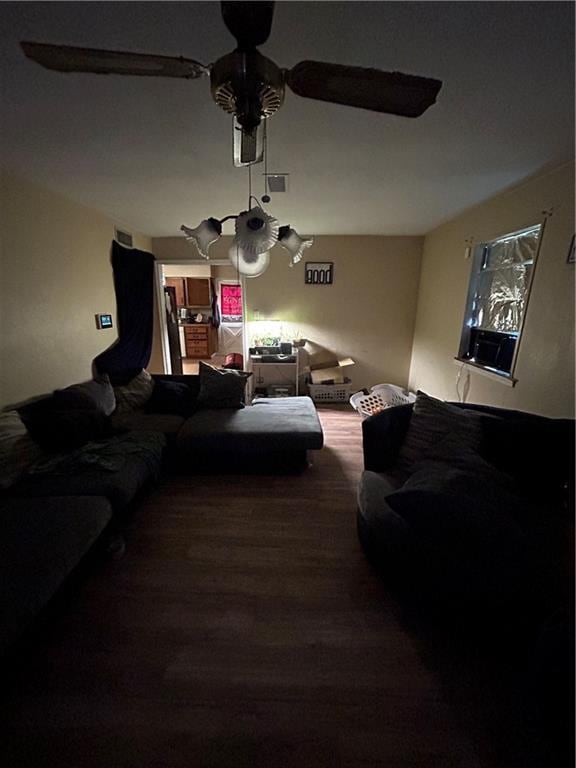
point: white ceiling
(156, 153)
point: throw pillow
(135, 394)
(97, 394)
(17, 449)
(437, 493)
(57, 427)
(221, 388)
(464, 528)
(171, 397)
(433, 420)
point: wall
(55, 275)
(545, 365)
(368, 313)
(186, 270)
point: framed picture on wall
(571, 258)
(319, 273)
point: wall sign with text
(319, 273)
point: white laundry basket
(381, 396)
(329, 393)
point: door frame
(159, 291)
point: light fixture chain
(265, 157)
(249, 185)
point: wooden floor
(243, 628)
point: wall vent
(277, 182)
(124, 238)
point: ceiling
(157, 153)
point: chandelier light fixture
(256, 233)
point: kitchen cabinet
(198, 291)
(179, 285)
(190, 291)
(200, 341)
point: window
(500, 283)
(231, 302)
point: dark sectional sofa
(467, 501)
(272, 433)
(467, 512)
(69, 499)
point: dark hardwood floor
(243, 628)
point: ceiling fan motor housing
(248, 85)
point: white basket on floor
(329, 393)
(379, 398)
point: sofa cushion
(440, 494)
(269, 425)
(140, 421)
(537, 452)
(117, 468)
(17, 449)
(41, 541)
(59, 424)
(221, 388)
(171, 397)
(373, 492)
(97, 394)
(135, 394)
(431, 421)
(463, 527)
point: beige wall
(545, 365)
(368, 313)
(169, 248)
(55, 275)
(187, 270)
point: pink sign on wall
(231, 303)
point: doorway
(201, 314)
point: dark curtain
(134, 287)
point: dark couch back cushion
(192, 381)
(431, 422)
(171, 397)
(537, 452)
(57, 427)
(221, 388)
(97, 395)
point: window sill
(491, 373)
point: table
(276, 373)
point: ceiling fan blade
(68, 58)
(391, 92)
(249, 23)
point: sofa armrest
(383, 435)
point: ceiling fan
(247, 84)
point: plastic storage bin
(380, 397)
(329, 393)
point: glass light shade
(256, 231)
(206, 233)
(294, 244)
(248, 263)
